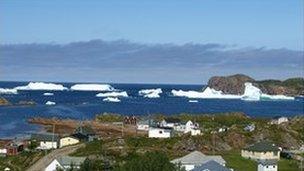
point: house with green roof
(263, 150)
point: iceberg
(150, 93)
(41, 86)
(111, 99)
(8, 91)
(253, 93)
(50, 103)
(193, 101)
(48, 94)
(92, 87)
(208, 93)
(113, 94)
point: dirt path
(42, 163)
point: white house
(267, 165)
(188, 127)
(249, 128)
(261, 151)
(143, 125)
(159, 132)
(46, 141)
(3, 152)
(68, 140)
(196, 159)
(279, 120)
(65, 163)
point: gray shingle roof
(268, 162)
(45, 137)
(67, 160)
(197, 158)
(211, 166)
(263, 146)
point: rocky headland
(234, 84)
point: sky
(172, 41)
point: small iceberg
(42, 86)
(50, 103)
(48, 94)
(8, 91)
(92, 87)
(193, 101)
(111, 99)
(113, 94)
(150, 93)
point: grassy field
(238, 163)
(21, 161)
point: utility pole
(53, 136)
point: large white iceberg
(253, 93)
(208, 93)
(111, 99)
(92, 87)
(50, 103)
(150, 93)
(42, 86)
(8, 91)
(113, 94)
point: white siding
(159, 133)
(53, 165)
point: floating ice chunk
(111, 99)
(8, 91)
(208, 93)
(275, 97)
(193, 101)
(48, 94)
(113, 94)
(41, 86)
(150, 93)
(92, 87)
(50, 103)
(251, 93)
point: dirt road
(41, 164)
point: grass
(238, 163)
(21, 161)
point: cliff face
(234, 84)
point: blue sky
(158, 41)
(258, 23)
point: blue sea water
(85, 105)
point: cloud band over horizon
(122, 61)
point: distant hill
(234, 84)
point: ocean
(85, 105)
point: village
(192, 143)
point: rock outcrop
(4, 102)
(234, 84)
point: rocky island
(235, 84)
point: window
(160, 132)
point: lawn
(238, 163)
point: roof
(86, 130)
(268, 162)
(67, 160)
(211, 166)
(278, 117)
(70, 136)
(262, 147)
(172, 120)
(45, 137)
(198, 158)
